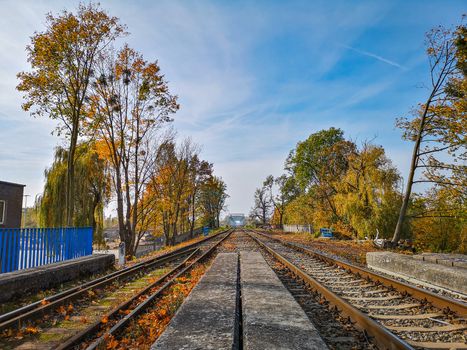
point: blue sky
(253, 78)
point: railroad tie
(405, 317)
(395, 307)
(438, 345)
(449, 328)
(391, 297)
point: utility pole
(25, 208)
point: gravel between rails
(337, 332)
(320, 245)
(376, 299)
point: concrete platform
(18, 283)
(206, 319)
(272, 319)
(442, 270)
(451, 260)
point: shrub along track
(62, 318)
(393, 314)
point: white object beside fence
(298, 228)
(121, 253)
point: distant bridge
(236, 219)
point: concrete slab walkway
(272, 319)
(206, 319)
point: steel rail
(37, 309)
(381, 336)
(146, 303)
(96, 326)
(42, 309)
(437, 300)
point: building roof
(11, 184)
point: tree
(63, 61)
(367, 195)
(439, 126)
(212, 200)
(92, 188)
(172, 186)
(332, 183)
(286, 191)
(439, 233)
(129, 103)
(317, 165)
(183, 191)
(262, 205)
(302, 210)
(200, 171)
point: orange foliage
(31, 330)
(143, 333)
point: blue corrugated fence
(22, 248)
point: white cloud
(252, 79)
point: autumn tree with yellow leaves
(113, 106)
(63, 62)
(129, 103)
(439, 128)
(183, 191)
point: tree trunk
(122, 229)
(413, 166)
(70, 188)
(129, 234)
(94, 221)
(192, 223)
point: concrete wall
(159, 242)
(186, 236)
(298, 228)
(17, 283)
(12, 194)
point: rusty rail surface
(36, 310)
(118, 327)
(437, 300)
(381, 336)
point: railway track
(150, 273)
(393, 314)
(135, 307)
(337, 331)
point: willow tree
(367, 196)
(92, 188)
(129, 103)
(62, 59)
(439, 127)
